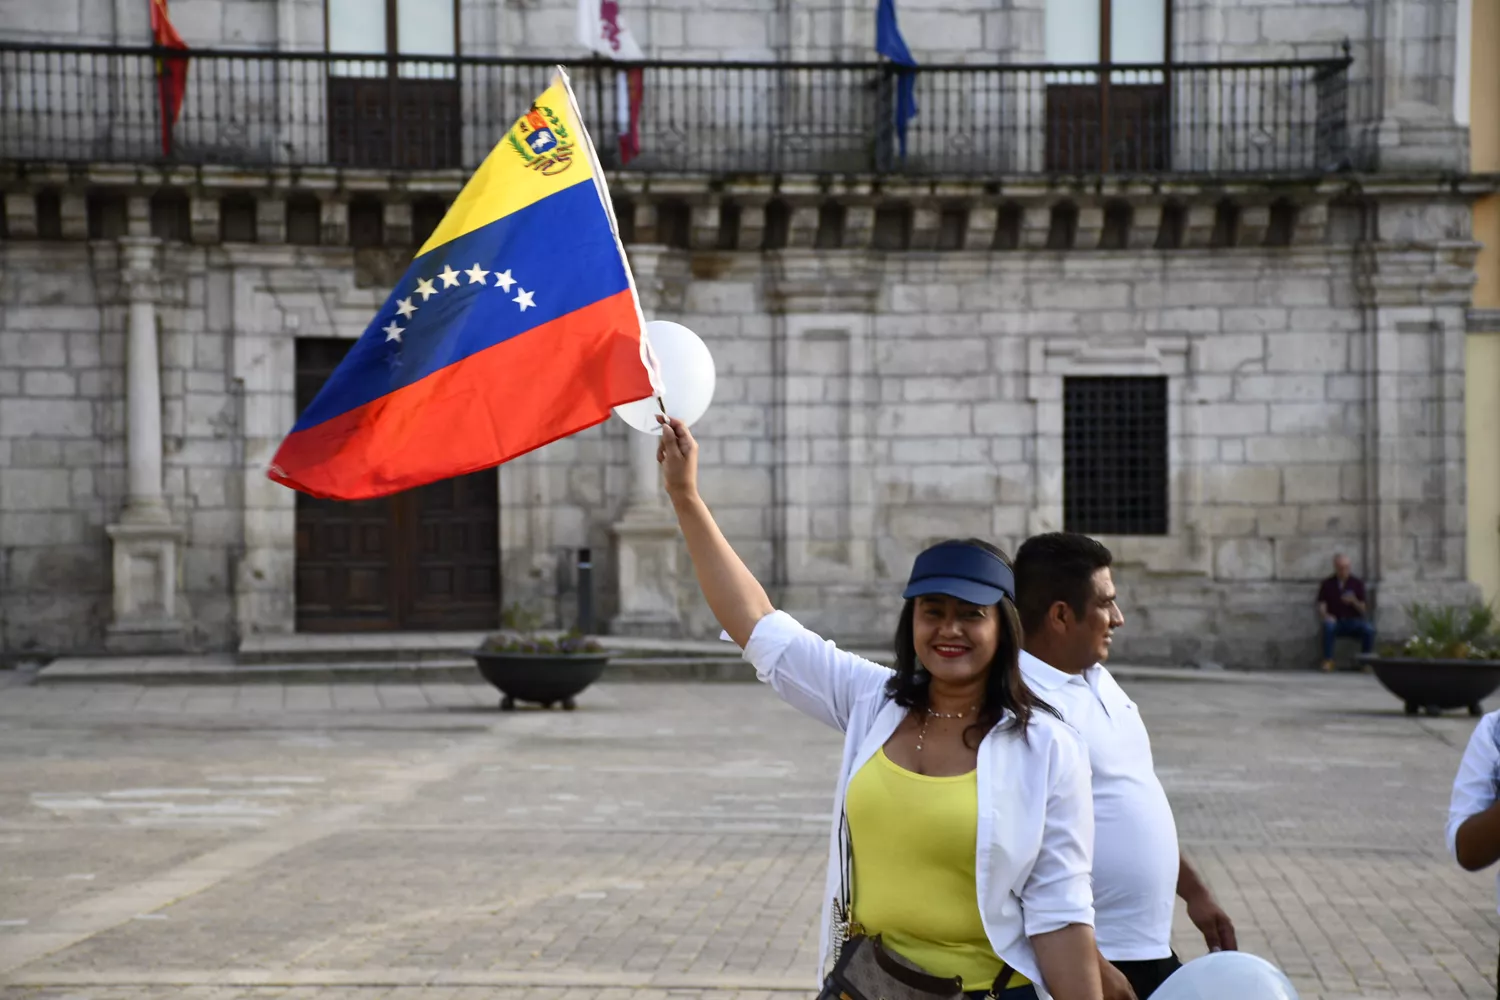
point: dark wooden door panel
(344, 564)
(344, 549)
(428, 558)
(457, 577)
(393, 122)
(1138, 138)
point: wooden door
(394, 122)
(1136, 132)
(454, 544)
(425, 559)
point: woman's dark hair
(1004, 690)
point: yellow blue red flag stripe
(516, 324)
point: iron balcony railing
(257, 109)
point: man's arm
(1323, 613)
(1203, 910)
(1116, 986)
(1474, 812)
(1477, 844)
(1356, 597)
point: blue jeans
(1356, 628)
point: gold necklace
(928, 713)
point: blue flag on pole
(889, 43)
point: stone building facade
(1227, 374)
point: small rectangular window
(1115, 455)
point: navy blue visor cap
(963, 571)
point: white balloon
(1227, 975)
(687, 376)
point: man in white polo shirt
(1474, 812)
(1066, 598)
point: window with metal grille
(1115, 455)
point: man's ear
(1060, 614)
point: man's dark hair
(1058, 566)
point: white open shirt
(1034, 845)
(1474, 788)
(1135, 837)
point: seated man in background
(1342, 606)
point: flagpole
(601, 188)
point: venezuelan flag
(516, 324)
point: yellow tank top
(914, 838)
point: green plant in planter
(1449, 632)
(567, 644)
(521, 635)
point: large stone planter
(538, 677)
(1436, 685)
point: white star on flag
(449, 276)
(405, 308)
(476, 274)
(392, 332)
(425, 289)
(523, 299)
(504, 280)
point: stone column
(647, 540)
(145, 539)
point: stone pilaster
(824, 387)
(145, 540)
(646, 537)
(1413, 62)
(1415, 289)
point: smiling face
(956, 641)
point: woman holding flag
(963, 831)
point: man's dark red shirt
(1330, 595)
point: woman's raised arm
(736, 598)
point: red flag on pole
(171, 71)
(632, 88)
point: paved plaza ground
(665, 840)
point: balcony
(79, 104)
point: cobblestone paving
(665, 842)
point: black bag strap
(846, 865)
(1002, 981)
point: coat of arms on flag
(543, 141)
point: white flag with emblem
(602, 29)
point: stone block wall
(884, 400)
(61, 441)
(889, 374)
